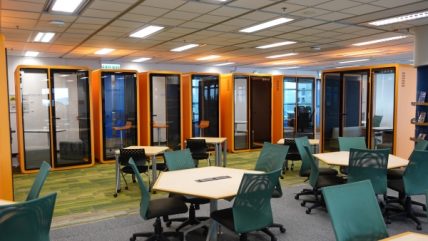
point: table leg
(158, 136)
(217, 156)
(117, 166)
(212, 232)
(154, 171)
(224, 153)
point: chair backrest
(365, 164)
(29, 220)
(354, 212)
(39, 181)
(197, 145)
(252, 208)
(271, 157)
(178, 160)
(293, 153)
(346, 143)
(377, 119)
(138, 155)
(301, 142)
(415, 178)
(313, 177)
(145, 194)
(204, 124)
(421, 145)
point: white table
(312, 142)
(180, 181)
(220, 144)
(150, 151)
(407, 236)
(341, 158)
(5, 202)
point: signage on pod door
(110, 66)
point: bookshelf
(421, 103)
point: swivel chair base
(158, 235)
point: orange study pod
(53, 117)
(246, 107)
(116, 116)
(161, 109)
(201, 105)
(369, 101)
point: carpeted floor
(286, 210)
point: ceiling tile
(309, 12)
(137, 17)
(250, 4)
(306, 23)
(164, 3)
(283, 8)
(149, 11)
(334, 16)
(194, 24)
(22, 6)
(362, 9)
(206, 18)
(228, 11)
(393, 3)
(337, 5)
(109, 6)
(197, 7)
(307, 2)
(331, 26)
(260, 16)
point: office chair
(203, 124)
(39, 181)
(156, 208)
(348, 142)
(292, 154)
(199, 150)
(140, 159)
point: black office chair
(199, 150)
(156, 208)
(140, 159)
(292, 155)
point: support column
(6, 184)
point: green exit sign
(110, 66)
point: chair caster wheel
(308, 211)
(303, 204)
(115, 195)
(388, 221)
(168, 224)
(296, 197)
(132, 239)
(282, 229)
(424, 208)
(419, 227)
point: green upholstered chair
(251, 210)
(271, 158)
(305, 169)
(365, 164)
(377, 119)
(156, 208)
(179, 160)
(318, 182)
(397, 173)
(346, 143)
(29, 220)
(414, 182)
(39, 181)
(354, 212)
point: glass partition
(119, 111)
(290, 95)
(260, 110)
(241, 113)
(382, 123)
(205, 105)
(166, 110)
(332, 116)
(35, 101)
(71, 117)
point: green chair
(346, 143)
(179, 160)
(318, 182)
(377, 119)
(271, 158)
(365, 164)
(414, 182)
(251, 209)
(305, 169)
(156, 208)
(29, 220)
(39, 181)
(354, 212)
(397, 173)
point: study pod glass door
(344, 106)
(119, 107)
(299, 107)
(205, 105)
(382, 116)
(166, 110)
(260, 110)
(241, 126)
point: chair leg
(277, 225)
(304, 192)
(124, 179)
(243, 237)
(268, 232)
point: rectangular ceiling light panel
(281, 55)
(276, 45)
(44, 37)
(265, 25)
(399, 19)
(66, 6)
(380, 40)
(185, 47)
(146, 31)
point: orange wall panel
(96, 117)
(186, 82)
(144, 110)
(277, 108)
(226, 109)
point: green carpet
(87, 193)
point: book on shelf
(421, 136)
(421, 118)
(422, 95)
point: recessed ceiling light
(264, 25)
(104, 51)
(281, 55)
(353, 61)
(276, 44)
(380, 40)
(290, 67)
(146, 31)
(31, 54)
(44, 37)
(398, 19)
(185, 47)
(57, 22)
(139, 60)
(209, 57)
(361, 53)
(223, 64)
(66, 6)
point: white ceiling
(332, 25)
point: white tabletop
(382, 128)
(5, 202)
(407, 236)
(42, 130)
(212, 140)
(149, 150)
(341, 158)
(185, 182)
(312, 142)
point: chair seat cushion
(190, 199)
(165, 206)
(328, 171)
(224, 217)
(329, 180)
(396, 185)
(128, 169)
(395, 173)
(200, 156)
(293, 156)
